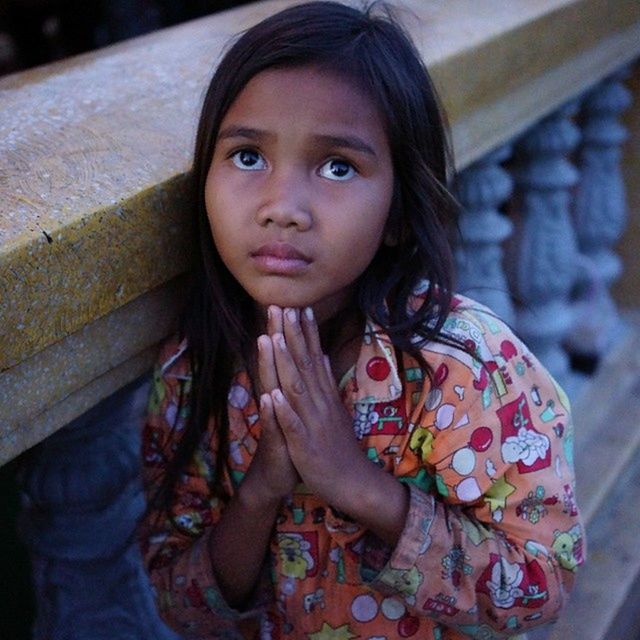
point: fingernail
(291, 315)
(262, 401)
(277, 396)
(282, 345)
(269, 313)
(308, 312)
(260, 343)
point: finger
(274, 320)
(297, 346)
(328, 371)
(292, 383)
(268, 418)
(292, 426)
(266, 365)
(314, 347)
(267, 414)
(272, 435)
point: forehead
(306, 97)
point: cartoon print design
(513, 584)
(455, 565)
(521, 442)
(336, 556)
(468, 490)
(378, 368)
(313, 600)
(392, 608)
(364, 418)
(550, 414)
(504, 585)
(390, 418)
(476, 532)
(335, 595)
(408, 626)
(441, 604)
(238, 396)
(364, 608)
(327, 632)
(297, 555)
(405, 582)
(568, 547)
(463, 460)
(421, 442)
(496, 497)
(569, 501)
(534, 506)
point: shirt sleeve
(175, 546)
(491, 545)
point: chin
(276, 296)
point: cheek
(216, 204)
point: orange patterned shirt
(493, 536)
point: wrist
(256, 495)
(377, 500)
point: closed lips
(281, 251)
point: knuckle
(298, 386)
(306, 363)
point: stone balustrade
(94, 241)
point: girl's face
(299, 188)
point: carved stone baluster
(481, 189)
(542, 262)
(600, 215)
(82, 499)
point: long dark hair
(369, 48)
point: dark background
(34, 32)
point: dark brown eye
(337, 170)
(248, 160)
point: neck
(341, 338)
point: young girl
(337, 446)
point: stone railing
(94, 159)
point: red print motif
(521, 442)
(378, 368)
(481, 384)
(391, 418)
(408, 626)
(481, 439)
(507, 350)
(441, 604)
(521, 584)
(442, 372)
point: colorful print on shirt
(492, 539)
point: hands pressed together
(307, 433)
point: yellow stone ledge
(95, 150)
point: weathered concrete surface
(94, 153)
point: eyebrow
(244, 132)
(344, 142)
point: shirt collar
(375, 377)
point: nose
(285, 202)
